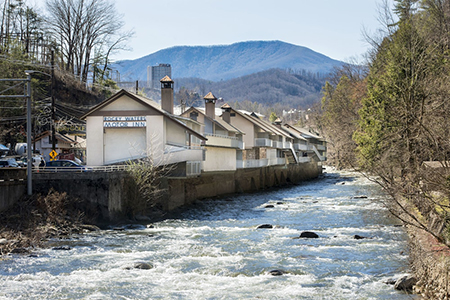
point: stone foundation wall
(109, 192)
(106, 190)
(13, 186)
(184, 191)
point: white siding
(94, 141)
(219, 159)
(124, 143)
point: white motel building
(127, 126)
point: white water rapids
(214, 251)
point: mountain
(225, 62)
(288, 89)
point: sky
(331, 27)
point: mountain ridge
(223, 62)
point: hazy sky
(331, 27)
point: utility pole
(29, 150)
(27, 95)
(53, 101)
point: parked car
(36, 161)
(66, 165)
(8, 162)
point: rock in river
(141, 266)
(264, 226)
(276, 272)
(309, 235)
(63, 248)
(406, 283)
(359, 237)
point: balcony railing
(223, 141)
(262, 142)
(252, 163)
(301, 147)
(304, 159)
(177, 153)
(277, 161)
(287, 145)
(193, 168)
(277, 144)
(321, 147)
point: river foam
(215, 251)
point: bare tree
(80, 26)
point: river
(214, 251)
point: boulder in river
(276, 272)
(269, 206)
(63, 248)
(359, 237)
(264, 226)
(360, 197)
(140, 265)
(309, 235)
(406, 283)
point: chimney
(277, 122)
(210, 105)
(167, 94)
(226, 115)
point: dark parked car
(9, 162)
(65, 165)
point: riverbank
(33, 220)
(430, 262)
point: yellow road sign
(53, 155)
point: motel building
(128, 126)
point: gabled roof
(293, 133)
(218, 122)
(265, 126)
(210, 96)
(166, 79)
(304, 132)
(144, 101)
(58, 136)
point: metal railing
(262, 142)
(252, 163)
(304, 159)
(222, 140)
(110, 168)
(193, 168)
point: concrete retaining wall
(13, 186)
(185, 191)
(105, 190)
(109, 192)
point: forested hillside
(270, 87)
(392, 119)
(225, 62)
(46, 42)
